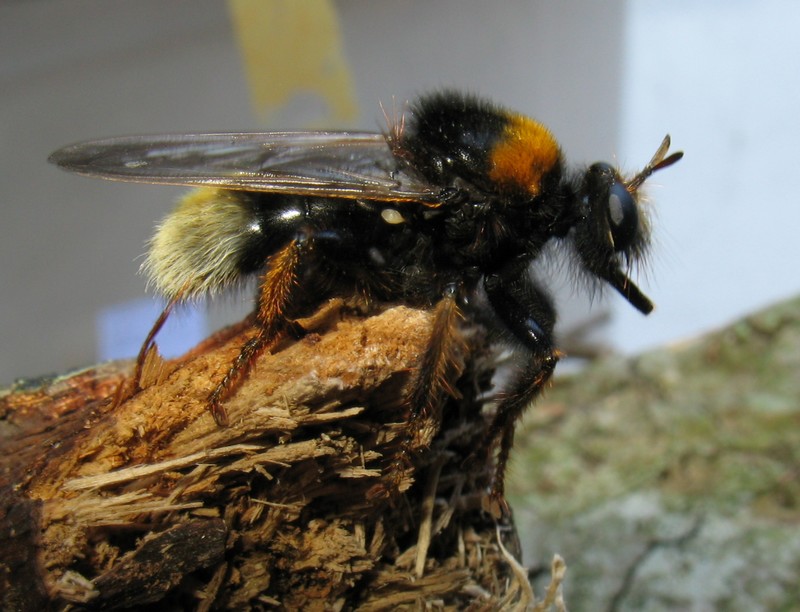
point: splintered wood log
(121, 504)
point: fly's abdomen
(216, 237)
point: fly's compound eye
(613, 207)
(623, 216)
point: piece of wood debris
(150, 501)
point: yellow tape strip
(294, 62)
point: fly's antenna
(659, 161)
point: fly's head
(613, 233)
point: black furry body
(448, 210)
(480, 238)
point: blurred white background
(724, 78)
(609, 79)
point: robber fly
(448, 210)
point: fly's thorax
(524, 158)
(454, 140)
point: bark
(115, 505)
(670, 479)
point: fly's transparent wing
(337, 164)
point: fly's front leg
(528, 314)
(277, 284)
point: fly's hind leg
(277, 284)
(528, 314)
(130, 387)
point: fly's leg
(277, 284)
(432, 382)
(528, 313)
(129, 388)
(526, 388)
